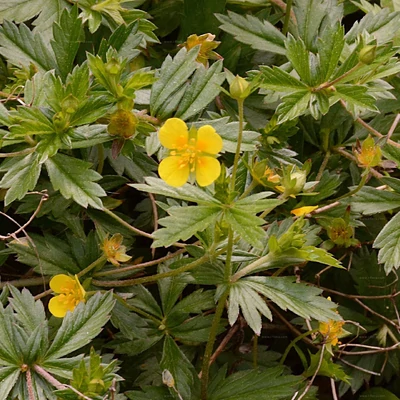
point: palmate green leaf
(312, 15)
(293, 105)
(47, 254)
(74, 179)
(204, 88)
(260, 35)
(9, 355)
(355, 95)
(173, 75)
(184, 222)
(325, 368)
(81, 326)
(279, 80)
(67, 34)
(330, 46)
(21, 47)
(247, 225)
(8, 378)
(21, 177)
(243, 296)
(372, 201)
(196, 329)
(90, 110)
(20, 10)
(257, 203)
(382, 25)
(185, 376)
(298, 56)
(186, 192)
(388, 241)
(30, 121)
(269, 384)
(28, 312)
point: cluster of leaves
(306, 205)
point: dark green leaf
(293, 105)
(372, 201)
(279, 80)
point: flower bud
(367, 54)
(70, 104)
(60, 122)
(122, 123)
(239, 88)
(113, 66)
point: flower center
(187, 153)
(70, 297)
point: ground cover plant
(199, 199)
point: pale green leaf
(299, 298)
(183, 223)
(81, 326)
(20, 46)
(293, 105)
(372, 201)
(279, 80)
(173, 75)
(355, 95)
(298, 56)
(8, 378)
(74, 179)
(186, 192)
(21, 177)
(67, 33)
(388, 241)
(204, 88)
(261, 35)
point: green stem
(249, 189)
(363, 180)
(126, 225)
(287, 17)
(210, 344)
(254, 265)
(338, 79)
(100, 156)
(293, 342)
(18, 153)
(153, 278)
(255, 351)
(37, 281)
(239, 143)
(94, 264)
(229, 252)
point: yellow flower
(114, 251)
(70, 294)
(191, 153)
(207, 45)
(369, 155)
(271, 175)
(331, 331)
(298, 212)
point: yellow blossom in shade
(370, 154)
(192, 153)
(69, 294)
(271, 175)
(114, 251)
(207, 45)
(298, 212)
(331, 331)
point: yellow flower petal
(172, 172)
(208, 140)
(79, 288)
(207, 170)
(60, 282)
(298, 212)
(173, 134)
(57, 307)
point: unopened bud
(122, 123)
(60, 122)
(367, 54)
(113, 67)
(70, 104)
(239, 88)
